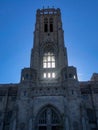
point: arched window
(49, 63)
(48, 118)
(45, 25)
(48, 60)
(51, 24)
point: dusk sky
(17, 23)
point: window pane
(44, 65)
(51, 27)
(74, 77)
(44, 58)
(49, 65)
(52, 58)
(44, 75)
(49, 58)
(53, 75)
(49, 53)
(45, 27)
(53, 64)
(49, 75)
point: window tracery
(45, 25)
(49, 63)
(51, 24)
(49, 60)
(48, 118)
(48, 25)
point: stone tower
(48, 55)
(54, 88)
(49, 95)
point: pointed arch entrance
(48, 119)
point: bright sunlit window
(49, 75)
(44, 75)
(74, 77)
(53, 75)
(48, 60)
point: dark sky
(17, 21)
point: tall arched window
(45, 25)
(48, 63)
(48, 60)
(48, 119)
(51, 24)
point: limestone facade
(49, 95)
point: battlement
(48, 11)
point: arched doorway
(48, 119)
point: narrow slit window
(44, 75)
(49, 75)
(44, 65)
(53, 75)
(53, 65)
(51, 27)
(45, 28)
(45, 25)
(51, 24)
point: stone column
(33, 125)
(30, 124)
(84, 123)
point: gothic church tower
(49, 55)
(49, 95)
(50, 81)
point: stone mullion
(48, 119)
(84, 123)
(30, 124)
